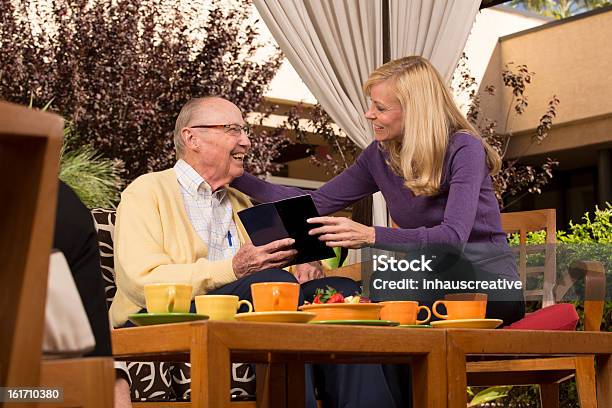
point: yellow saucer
(276, 317)
(467, 324)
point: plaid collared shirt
(210, 213)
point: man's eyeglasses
(232, 128)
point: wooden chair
(30, 143)
(533, 221)
(86, 382)
(547, 372)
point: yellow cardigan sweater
(155, 242)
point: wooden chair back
(30, 143)
(523, 222)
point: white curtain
(437, 30)
(334, 45)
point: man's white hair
(183, 119)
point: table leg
(429, 380)
(296, 389)
(280, 385)
(210, 371)
(199, 373)
(604, 380)
(262, 381)
(549, 395)
(271, 385)
(585, 381)
(456, 375)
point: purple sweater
(465, 209)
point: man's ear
(191, 141)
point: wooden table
(463, 342)
(286, 347)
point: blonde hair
(430, 117)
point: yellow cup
(275, 296)
(462, 306)
(403, 311)
(168, 297)
(220, 307)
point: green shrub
(94, 178)
(596, 230)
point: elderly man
(180, 224)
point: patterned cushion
(104, 221)
(154, 381)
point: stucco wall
(571, 59)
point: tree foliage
(120, 70)
(515, 179)
(559, 9)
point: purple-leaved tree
(120, 70)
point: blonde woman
(432, 167)
(429, 162)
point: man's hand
(342, 232)
(309, 271)
(251, 258)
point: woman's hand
(342, 232)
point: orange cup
(462, 306)
(403, 311)
(275, 296)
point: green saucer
(415, 326)
(147, 319)
(358, 322)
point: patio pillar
(386, 28)
(604, 170)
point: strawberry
(364, 299)
(336, 298)
(324, 294)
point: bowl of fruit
(329, 304)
